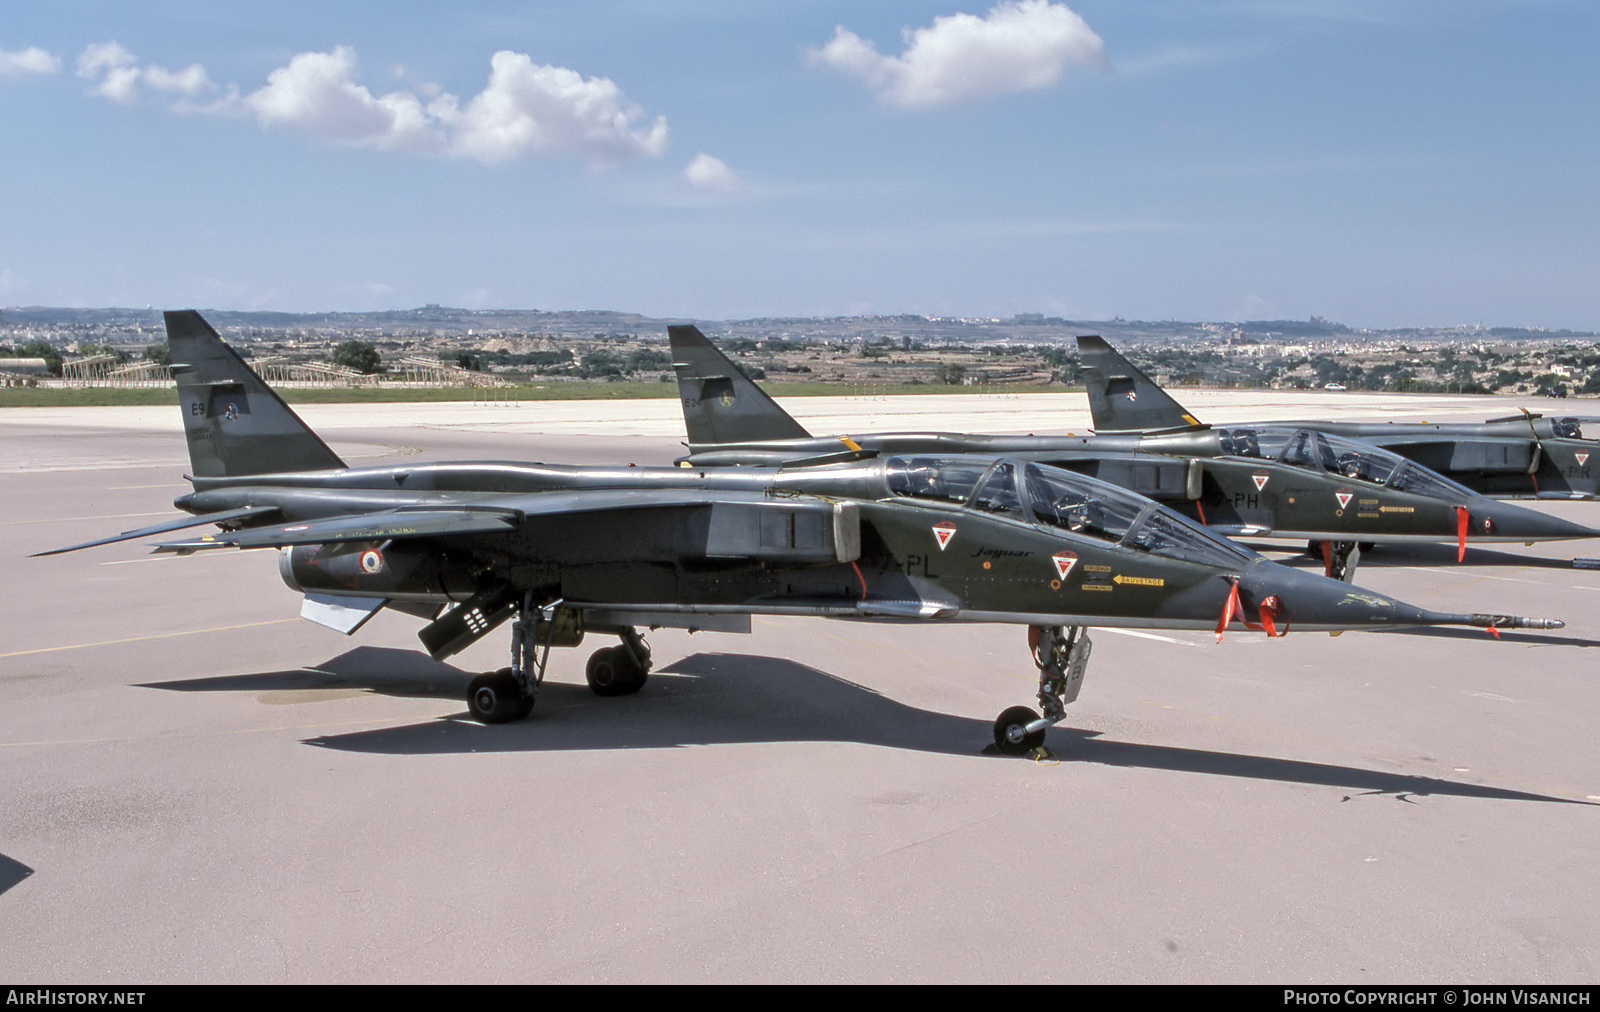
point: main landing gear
(619, 670)
(1062, 654)
(509, 694)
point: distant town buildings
(439, 346)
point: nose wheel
(1011, 734)
(1062, 654)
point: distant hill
(1027, 328)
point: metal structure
(109, 371)
(282, 372)
(434, 372)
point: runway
(200, 787)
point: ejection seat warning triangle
(943, 533)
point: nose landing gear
(1062, 655)
(1339, 558)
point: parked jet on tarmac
(1519, 457)
(566, 550)
(1337, 492)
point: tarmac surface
(198, 786)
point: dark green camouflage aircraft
(1338, 493)
(1525, 456)
(564, 551)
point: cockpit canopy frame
(1349, 459)
(1057, 499)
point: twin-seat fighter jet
(564, 551)
(1525, 456)
(1336, 492)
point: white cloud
(707, 173)
(192, 81)
(1020, 45)
(117, 75)
(314, 93)
(32, 60)
(112, 66)
(525, 108)
(530, 108)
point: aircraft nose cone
(1311, 600)
(1489, 518)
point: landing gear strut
(1062, 654)
(509, 694)
(620, 670)
(1339, 558)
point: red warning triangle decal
(1260, 478)
(1064, 562)
(1344, 496)
(943, 533)
(1583, 458)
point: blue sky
(1383, 164)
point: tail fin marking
(720, 403)
(1121, 398)
(234, 423)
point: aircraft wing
(226, 516)
(384, 526)
(742, 524)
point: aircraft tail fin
(1122, 398)
(235, 424)
(720, 403)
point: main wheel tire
(612, 672)
(493, 698)
(524, 703)
(1011, 734)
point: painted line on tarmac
(247, 730)
(1146, 636)
(108, 516)
(155, 636)
(1480, 576)
(56, 468)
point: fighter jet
(564, 551)
(1524, 456)
(1335, 493)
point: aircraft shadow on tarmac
(12, 872)
(383, 670)
(713, 698)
